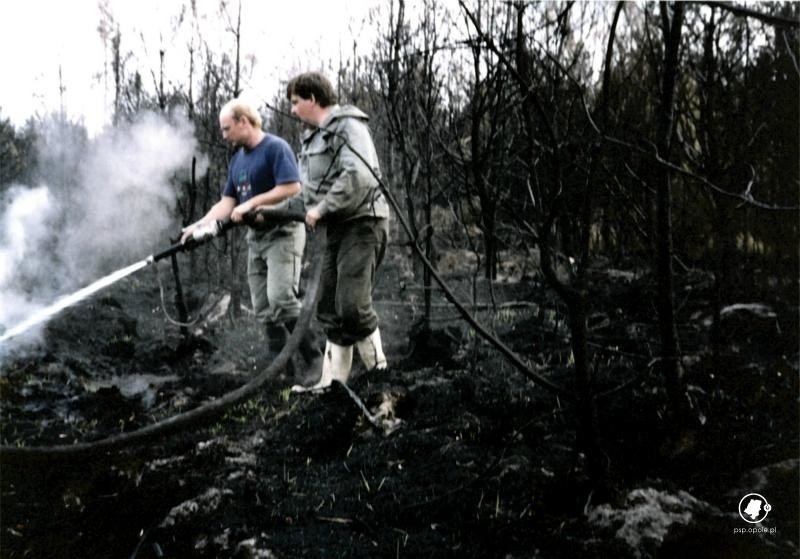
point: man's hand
(312, 217)
(200, 231)
(238, 213)
(188, 231)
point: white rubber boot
(371, 351)
(335, 366)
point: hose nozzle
(199, 236)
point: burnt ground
(481, 463)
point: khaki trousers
(274, 259)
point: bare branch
(745, 198)
(777, 21)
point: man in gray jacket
(340, 188)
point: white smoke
(127, 202)
(116, 211)
(20, 249)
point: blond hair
(239, 109)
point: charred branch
(769, 19)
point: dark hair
(312, 83)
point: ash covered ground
(465, 457)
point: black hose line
(217, 407)
(203, 414)
(507, 352)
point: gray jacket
(335, 180)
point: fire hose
(289, 210)
(217, 407)
(259, 217)
(205, 413)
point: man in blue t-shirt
(263, 172)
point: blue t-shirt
(255, 171)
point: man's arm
(351, 174)
(276, 194)
(219, 211)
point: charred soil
(462, 457)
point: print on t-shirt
(243, 187)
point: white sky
(39, 36)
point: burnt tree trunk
(712, 164)
(574, 296)
(236, 286)
(670, 365)
(180, 304)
